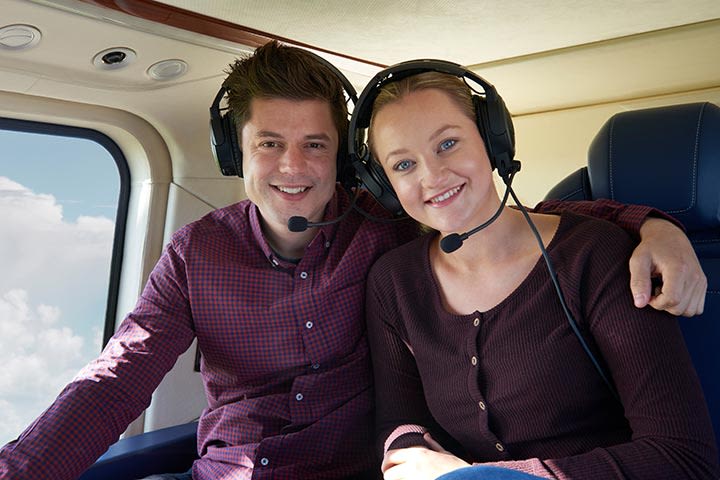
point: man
(278, 315)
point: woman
(472, 351)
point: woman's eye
(403, 165)
(447, 144)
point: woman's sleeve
(401, 413)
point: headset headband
(363, 107)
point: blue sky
(58, 200)
(79, 173)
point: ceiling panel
(465, 31)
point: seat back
(667, 158)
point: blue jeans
(487, 473)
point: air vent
(167, 69)
(19, 37)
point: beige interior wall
(552, 145)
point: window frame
(116, 257)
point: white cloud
(53, 272)
(34, 236)
(39, 356)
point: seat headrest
(678, 147)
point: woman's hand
(420, 463)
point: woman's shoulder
(582, 231)
(407, 260)
(587, 247)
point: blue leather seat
(168, 450)
(668, 158)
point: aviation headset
(492, 118)
(224, 137)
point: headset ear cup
(344, 174)
(221, 137)
(235, 151)
(501, 125)
(376, 182)
(482, 124)
(496, 128)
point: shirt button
(299, 397)
(481, 405)
(274, 262)
(499, 447)
(308, 324)
(473, 360)
(327, 244)
(264, 461)
(476, 322)
(315, 366)
(303, 275)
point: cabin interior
(563, 68)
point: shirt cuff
(415, 431)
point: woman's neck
(490, 264)
(497, 241)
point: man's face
(289, 159)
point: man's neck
(288, 245)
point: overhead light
(19, 37)
(167, 69)
(114, 58)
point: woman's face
(435, 158)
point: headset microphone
(452, 242)
(299, 224)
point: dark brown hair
(281, 71)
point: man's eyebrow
(318, 136)
(311, 136)
(267, 133)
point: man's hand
(420, 463)
(665, 253)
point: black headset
(492, 118)
(224, 137)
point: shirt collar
(324, 233)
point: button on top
(476, 322)
(481, 404)
(264, 461)
(499, 447)
(473, 360)
(327, 244)
(315, 366)
(299, 397)
(308, 324)
(303, 275)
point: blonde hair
(395, 91)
